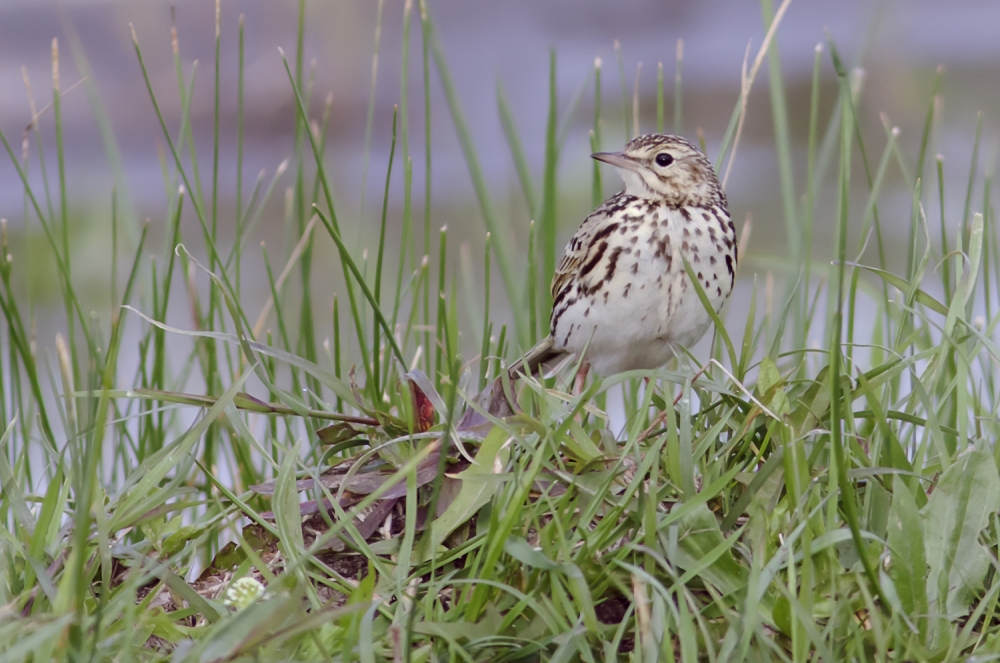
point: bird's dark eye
(663, 159)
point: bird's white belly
(651, 310)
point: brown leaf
(314, 525)
(492, 399)
(362, 483)
(327, 478)
(423, 408)
(310, 507)
(374, 518)
(450, 488)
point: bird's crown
(667, 168)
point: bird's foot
(581, 377)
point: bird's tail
(542, 353)
(494, 399)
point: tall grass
(823, 485)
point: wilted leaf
(418, 377)
(492, 399)
(426, 471)
(366, 525)
(310, 507)
(375, 517)
(450, 488)
(423, 409)
(360, 483)
(426, 400)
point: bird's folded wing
(587, 254)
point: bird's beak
(616, 159)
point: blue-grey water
(903, 40)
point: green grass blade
(547, 225)
(516, 151)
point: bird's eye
(664, 159)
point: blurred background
(899, 44)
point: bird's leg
(581, 377)
(661, 417)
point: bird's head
(666, 168)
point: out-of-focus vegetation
(226, 483)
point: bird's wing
(587, 247)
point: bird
(622, 298)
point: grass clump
(823, 486)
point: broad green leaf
(285, 504)
(486, 627)
(906, 546)
(477, 488)
(958, 510)
(768, 376)
(771, 387)
(699, 538)
(522, 551)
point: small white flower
(243, 592)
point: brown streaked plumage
(620, 291)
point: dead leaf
(495, 402)
(423, 408)
(365, 483)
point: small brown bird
(620, 292)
